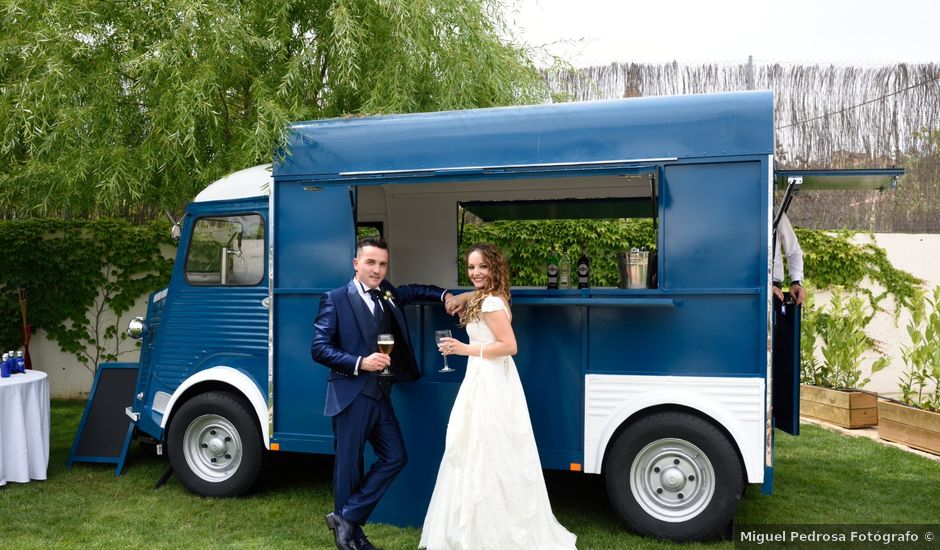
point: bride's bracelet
(481, 351)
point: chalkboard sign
(104, 434)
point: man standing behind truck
(357, 399)
(786, 239)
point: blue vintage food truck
(669, 391)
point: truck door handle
(266, 303)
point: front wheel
(215, 445)
(674, 476)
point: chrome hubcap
(212, 447)
(672, 480)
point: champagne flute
(386, 343)
(439, 335)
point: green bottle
(552, 269)
(564, 271)
(584, 269)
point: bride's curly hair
(497, 285)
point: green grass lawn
(821, 477)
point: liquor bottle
(552, 270)
(584, 270)
(564, 271)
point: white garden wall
(68, 378)
(919, 255)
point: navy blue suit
(345, 331)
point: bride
(490, 493)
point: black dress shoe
(343, 532)
(360, 537)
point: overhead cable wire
(896, 92)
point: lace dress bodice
(478, 331)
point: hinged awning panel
(566, 209)
(847, 180)
(574, 207)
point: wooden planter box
(911, 426)
(849, 409)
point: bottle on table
(552, 269)
(564, 271)
(584, 269)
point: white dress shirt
(786, 238)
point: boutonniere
(388, 297)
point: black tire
(674, 475)
(215, 445)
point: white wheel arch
(737, 404)
(238, 380)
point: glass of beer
(386, 343)
(438, 336)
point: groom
(357, 398)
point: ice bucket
(637, 266)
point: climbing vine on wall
(528, 244)
(833, 258)
(74, 274)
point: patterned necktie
(377, 306)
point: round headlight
(136, 328)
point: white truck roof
(250, 182)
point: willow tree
(119, 107)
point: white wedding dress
(490, 493)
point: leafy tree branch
(131, 108)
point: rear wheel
(215, 445)
(674, 476)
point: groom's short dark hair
(377, 242)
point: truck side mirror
(175, 231)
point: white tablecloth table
(24, 427)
